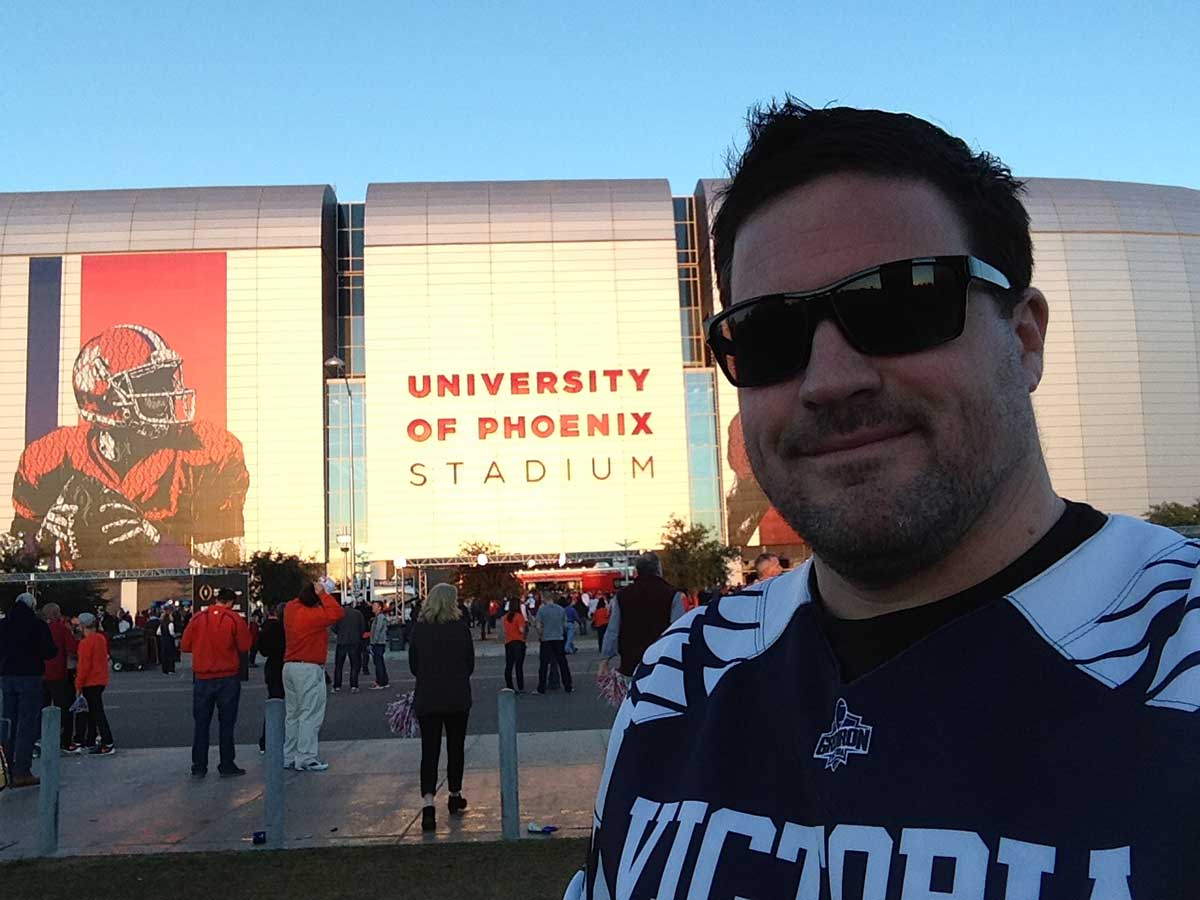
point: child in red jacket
(91, 677)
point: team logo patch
(847, 735)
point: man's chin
(875, 486)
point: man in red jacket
(57, 688)
(306, 622)
(216, 638)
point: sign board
(205, 587)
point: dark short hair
(791, 144)
(308, 595)
(227, 595)
(648, 564)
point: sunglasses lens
(903, 308)
(764, 342)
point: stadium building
(191, 375)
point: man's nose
(835, 370)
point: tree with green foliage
(1173, 514)
(495, 581)
(692, 557)
(277, 577)
(73, 597)
(14, 557)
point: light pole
(401, 593)
(337, 364)
(344, 541)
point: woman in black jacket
(441, 655)
(272, 642)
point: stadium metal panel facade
(523, 366)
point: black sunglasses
(898, 307)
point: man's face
(881, 463)
(769, 568)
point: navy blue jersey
(1044, 745)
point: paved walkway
(143, 801)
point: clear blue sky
(133, 94)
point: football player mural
(139, 482)
(752, 519)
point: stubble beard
(878, 533)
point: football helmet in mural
(127, 377)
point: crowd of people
(46, 658)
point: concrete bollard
(273, 761)
(510, 807)
(48, 792)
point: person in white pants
(306, 622)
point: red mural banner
(181, 296)
(149, 476)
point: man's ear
(1030, 318)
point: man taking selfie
(976, 688)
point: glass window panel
(339, 509)
(342, 215)
(337, 408)
(357, 330)
(681, 207)
(356, 243)
(356, 301)
(357, 212)
(343, 243)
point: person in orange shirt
(91, 678)
(514, 645)
(600, 620)
(306, 622)
(216, 637)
